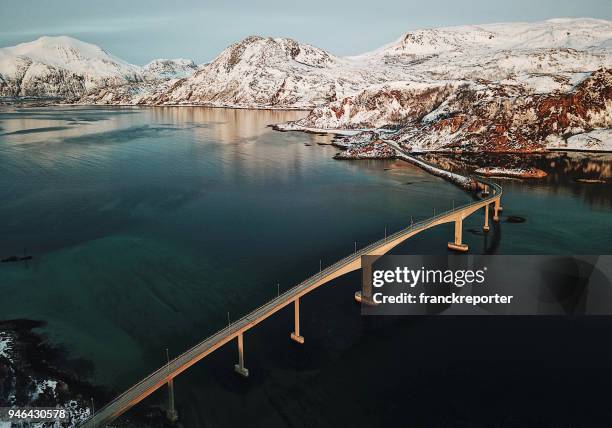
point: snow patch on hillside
(45, 386)
(269, 72)
(581, 33)
(5, 345)
(169, 68)
(384, 105)
(72, 55)
(599, 140)
(69, 69)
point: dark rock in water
(16, 259)
(515, 219)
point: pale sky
(140, 30)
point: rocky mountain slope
(480, 117)
(485, 118)
(169, 68)
(546, 57)
(501, 87)
(571, 33)
(69, 69)
(268, 72)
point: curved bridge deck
(167, 373)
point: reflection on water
(33, 133)
(52, 124)
(585, 175)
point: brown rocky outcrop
(506, 120)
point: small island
(511, 172)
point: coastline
(290, 127)
(40, 374)
(341, 137)
(48, 102)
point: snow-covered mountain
(484, 87)
(169, 68)
(481, 118)
(268, 72)
(541, 56)
(60, 67)
(477, 87)
(544, 57)
(68, 68)
(579, 34)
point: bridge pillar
(497, 208)
(486, 223)
(365, 294)
(457, 245)
(171, 414)
(296, 332)
(239, 368)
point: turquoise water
(148, 225)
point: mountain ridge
(406, 84)
(69, 68)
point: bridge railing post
(239, 368)
(296, 331)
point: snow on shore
(599, 140)
(5, 345)
(467, 183)
(511, 172)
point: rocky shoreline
(34, 373)
(524, 165)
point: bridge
(491, 195)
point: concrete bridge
(490, 195)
